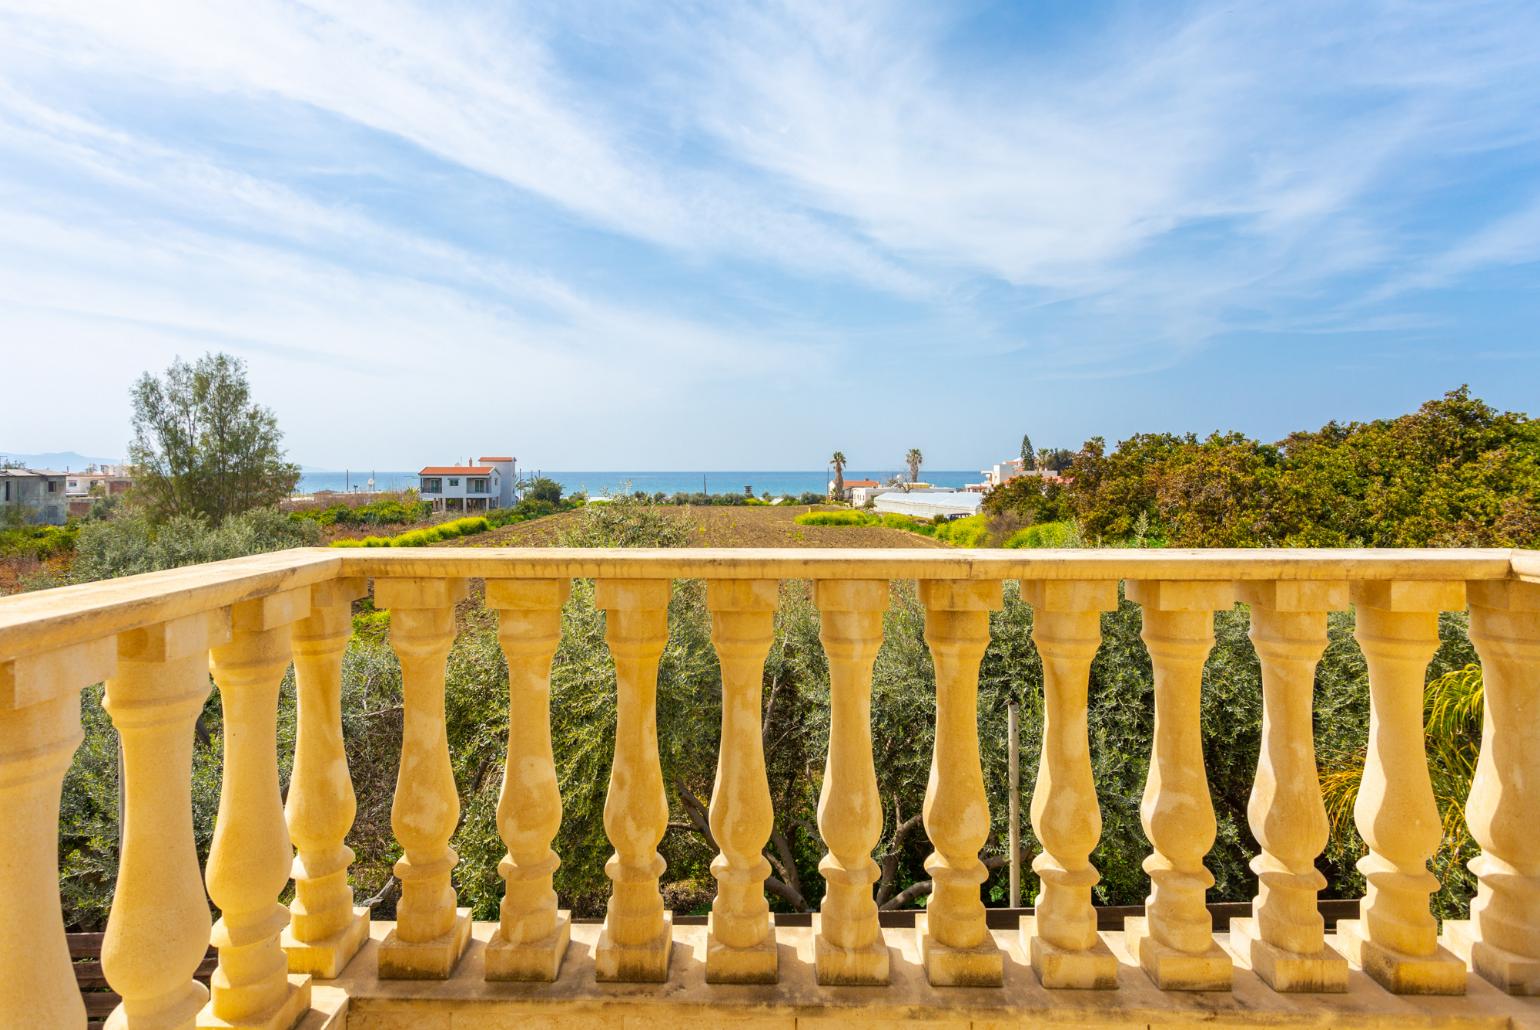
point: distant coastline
(597, 484)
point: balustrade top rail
(38, 622)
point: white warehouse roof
(929, 504)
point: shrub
(972, 531)
(36, 541)
(129, 544)
(837, 518)
(1046, 534)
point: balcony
(322, 962)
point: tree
(1028, 458)
(201, 446)
(838, 461)
(914, 459)
(543, 488)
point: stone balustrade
(153, 638)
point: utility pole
(1013, 744)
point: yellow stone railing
(152, 638)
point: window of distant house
(432, 486)
(7, 489)
(52, 486)
(476, 486)
(454, 482)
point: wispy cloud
(649, 203)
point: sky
(732, 236)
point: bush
(37, 542)
(386, 512)
(844, 517)
(1046, 534)
(972, 531)
(129, 544)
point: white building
(101, 480)
(483, 486)
(928, 504)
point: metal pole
(1013, 738)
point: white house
(927, 504)
(483, 486)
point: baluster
(158, 930)
(1395, 938)
(1502, 937)
(1174, 940)
(849, 948)
(1285, 936)
(740, 936)
(954, 940)
(533, 934)
(325, 929)
(431, 933)
(637, 938)
(1061, 937)
(249, 860)
(39, 732)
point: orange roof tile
(456, 470)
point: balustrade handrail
(154, 639)
(42, 620)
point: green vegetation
(201, 446)
(468, 526)
(390, 511)
(132, 542)
(1456, 472)
(37, 542)
(1046, 534)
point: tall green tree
(202, 446)
(1028, 455)
(838, 461)
(914, 459)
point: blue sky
(705, 235)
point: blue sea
(600, 484)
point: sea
(607, 484)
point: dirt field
(722, 526)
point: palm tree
(1452, 711)
(838, 461)
(914, 459)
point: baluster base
(173, 1010)
(325, 959)
(533, 961)
(426, 960)
(1091, 969)
(1508, 970)
(1398, 972)
(284, 1016)
(849, 967)
(1172, 970)
(983, 966)
(635, 963)
(1289, 972)
(756, 965)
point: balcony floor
(687, 1001)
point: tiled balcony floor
(686, 1001)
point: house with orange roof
(487, 484)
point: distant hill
(59, 460)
